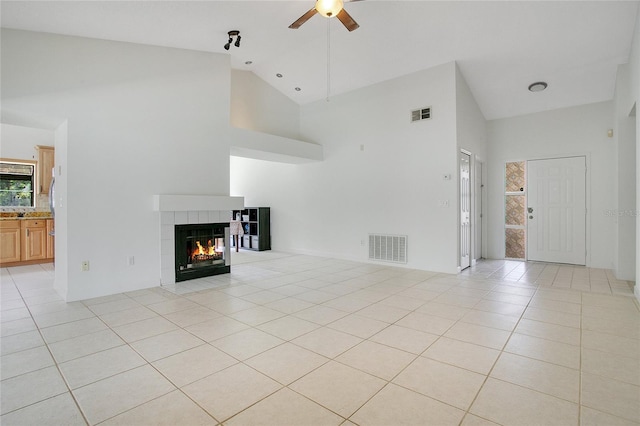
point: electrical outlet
(84, 267)
(443, 203)
(361, 242)
(131, 261)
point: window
(515, 217)
(17, 183)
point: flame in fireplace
(210, 252)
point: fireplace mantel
(182, 203)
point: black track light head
(233, 33)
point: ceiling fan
(328, 9)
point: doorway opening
(465, 210)
(478, 197)
(545, 210)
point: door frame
(479, 199)
(587, 157)
(475, 212)
(471, 240)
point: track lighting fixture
(232, 34)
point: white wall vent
(421, 114)
(390, 248)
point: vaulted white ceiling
(501, 47)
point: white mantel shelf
(181, 203)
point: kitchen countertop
(26, 215)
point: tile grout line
(55, 361)
(502, 351)
(468, 411)
(150, 364)
(580, 361)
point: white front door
(465, 210)
(556, 210)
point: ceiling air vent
(421, 114)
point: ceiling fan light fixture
(329, 8)
(538, 86)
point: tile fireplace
(206, 210)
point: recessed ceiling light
(298, 89)
(279, 75)
(248, 62)
(538, 86)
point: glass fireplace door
(201, 250)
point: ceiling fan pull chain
(328, 58)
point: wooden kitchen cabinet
(51, 246)
(46, 159)
(26, 241)
(9, 241)
(34, 239)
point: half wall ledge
(181, 203)
(263, 146)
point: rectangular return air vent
(421, 114)
(390, 248)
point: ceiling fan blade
(304, 18)
(347, 20)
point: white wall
(141, 120)
(471, 131)
(471, 126)
(578, 130)
(61, 283)
(634, 90)
(19, 142)
(381, 174)
(624, 138)
(256, 105)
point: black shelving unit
(257, 230)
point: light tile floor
(301, 340)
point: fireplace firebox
(201, 250)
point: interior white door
(556, 210)
(465, 210)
